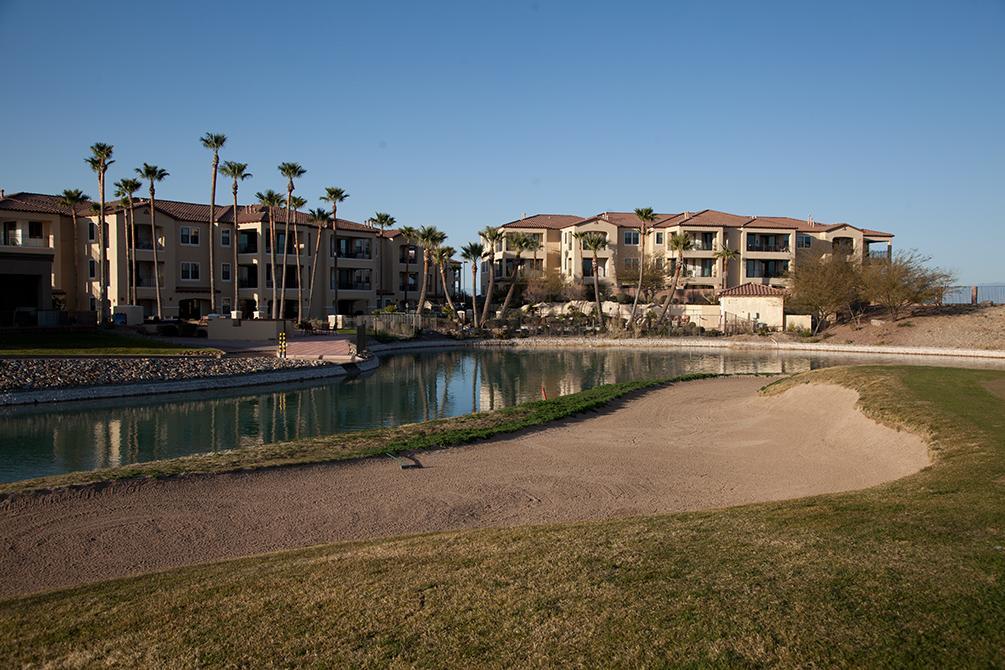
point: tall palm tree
(237, 172)
(472, 252)
(725, 255)
(410, 235)
(646, 217)
(74, 198)
(429, 238)
(442, 256)
(214, 142)
(125, 190)
(333, 196)
(320, 218)
(678, 243)
(518, 242)
(533, 245)
(594, 241)
(298, 203)
(99, 160)
(491, 236)
(270, 200)
(381, 221)
(154, 174)
(291, 171)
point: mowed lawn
(908, 574)
(91, 343)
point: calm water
(406, 388)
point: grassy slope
(905, 574)
(90, 343)
(438, 433)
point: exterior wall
(749, 251)
(16, 244)
(768, 310)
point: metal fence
(974, 295)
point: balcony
(356, 254)
(769, 248)
(354, 286)
(26, 242)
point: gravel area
(32, 374)
(955, 326)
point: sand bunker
(696, 445)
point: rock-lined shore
(33, 374)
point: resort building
(766, 247)
(44, 268)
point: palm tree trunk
(212, 238)
(488, 293)
(380, 265)
(314, 270)
(286, 256)
(596, 290)
(272, 249)
(638, 289)
(76, 256)
(300, 274)
(512, 289)
(234, 274)
(450, 302)
(422, 286)
(474, 293)
(335, 258)
(153, 237)
(673, 288)
(132, 255)
(102, 255)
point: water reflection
(405, 389)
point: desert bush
(905, 280)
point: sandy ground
(953, 326)
(697, 445)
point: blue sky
(464, 114)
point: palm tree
(73, 198)
(492, 237)
(472, 252)
(333, 196)
(99, 160)
(154, 174)
(442, 256)
(271, 200)
(429, 237)
(410, 235)
(595, 241)
(238, 172)
(382, 221)
(214, 142)
(291, 171)
(518, 242)
(725, 255)
(298, 203)
(125, 190)
(646, 217)
(678, 243)
(320, 217)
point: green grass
(908, 574)
(411, 437)
(91, 343)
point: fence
(45, 318)
(974, 295)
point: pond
(408, 387)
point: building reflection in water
(407, 388)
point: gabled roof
(199, 212)
(40, 203)
(628, 219)
(753, 290)
(545, 221)
(706, 217)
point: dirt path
(696, 445)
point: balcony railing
(354, 286)
(776, 248)
(28, 242)
(355, 253)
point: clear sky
(887, 115)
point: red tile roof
(752, 290)
(40, 203)
(548, 221)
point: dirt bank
(697, 445)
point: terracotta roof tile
(38, 202)
(548, 221)
(753, 290)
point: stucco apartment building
(767, 245)
(43, 267)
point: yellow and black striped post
(281, 353)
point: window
(803, 241)
(225, 272)
(225, 237)
(189, 271)
(92, 268)
(659, 239)
(92, 231)
(35, 230)
(247, 242)
(632, 264)
(631, 237)
(190, 236)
